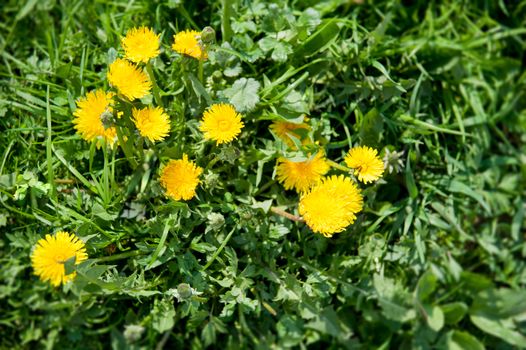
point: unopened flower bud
(211, 180)
(208, 36)
(229, 154)
(184, 290)
(107, 119)
(393, 161)
(133, 332)
(215, 221)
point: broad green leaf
(290, 329)
(454, 312)
(327, 322)
(307, 22)
(395, 311)
(499, 303)
(294, 101)
(163, 315)
(475, 281)
(459, 340)
(426, 285)
(100, 212)
(233, 71)
(280, 50)
(499, 330)
(371, 127)
(391, 298)
(208, 334)
(264, 205)
(69, 265)
(434, 317)
(454, 268)
(243, 94)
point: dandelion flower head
(90, 110)
(330, 206)
(187, 43)
(365, 162)
(130, 80)
(287, 130)
(140, 44)
(51, 253)
(152, 122)
(180, 178)
(302, 175)
(221, 123)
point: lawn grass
(436, 259)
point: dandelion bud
(184, 291)
(245, 214)
(217, 75)
(133, 332)
(229, 154)
(393, 161)
(107, 119)
(211, 180)
(208, 36)
(215, 221)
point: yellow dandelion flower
(131, 81)
(302, 175)
(187, 43)
(368, 167)
(221, 123)
(180, 178)
(140, 44)
(51, 253)
(152, 123)
(286, 130)
(330, 206)
(88, 114)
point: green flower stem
(226, 27)
(211, 164)
(184, 74)
(200, 72)
(126, 127)
(338, 166)
(113, 184)
(155, 87)
(140, 147)
(264, 187)
(126, 148)
(105, 188)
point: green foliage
(436, 261)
